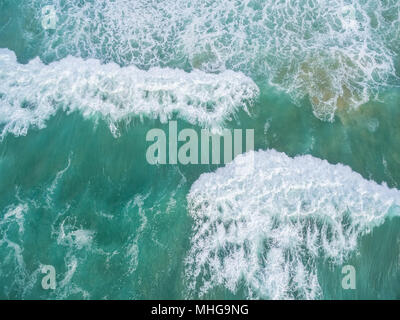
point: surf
(30, 94)
(266, 229)
(338, 55)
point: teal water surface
(317, 78)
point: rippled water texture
(317, 81)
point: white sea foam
(16, 214)
(11, 242)
(336, 52)
(331, 51)
(31, 93)
(267, 228)
(51, 189)
(132, 248)
(74, 237)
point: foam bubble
(267, 228)
(338, 53)
(74, 237)
(31, 93)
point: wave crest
(31, 93)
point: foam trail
(266, 228)
(31, 93)
(12, 231)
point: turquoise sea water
(316, 80)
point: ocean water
(82, 82)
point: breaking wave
(30, 94)
(338, 53)
(266, 227)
